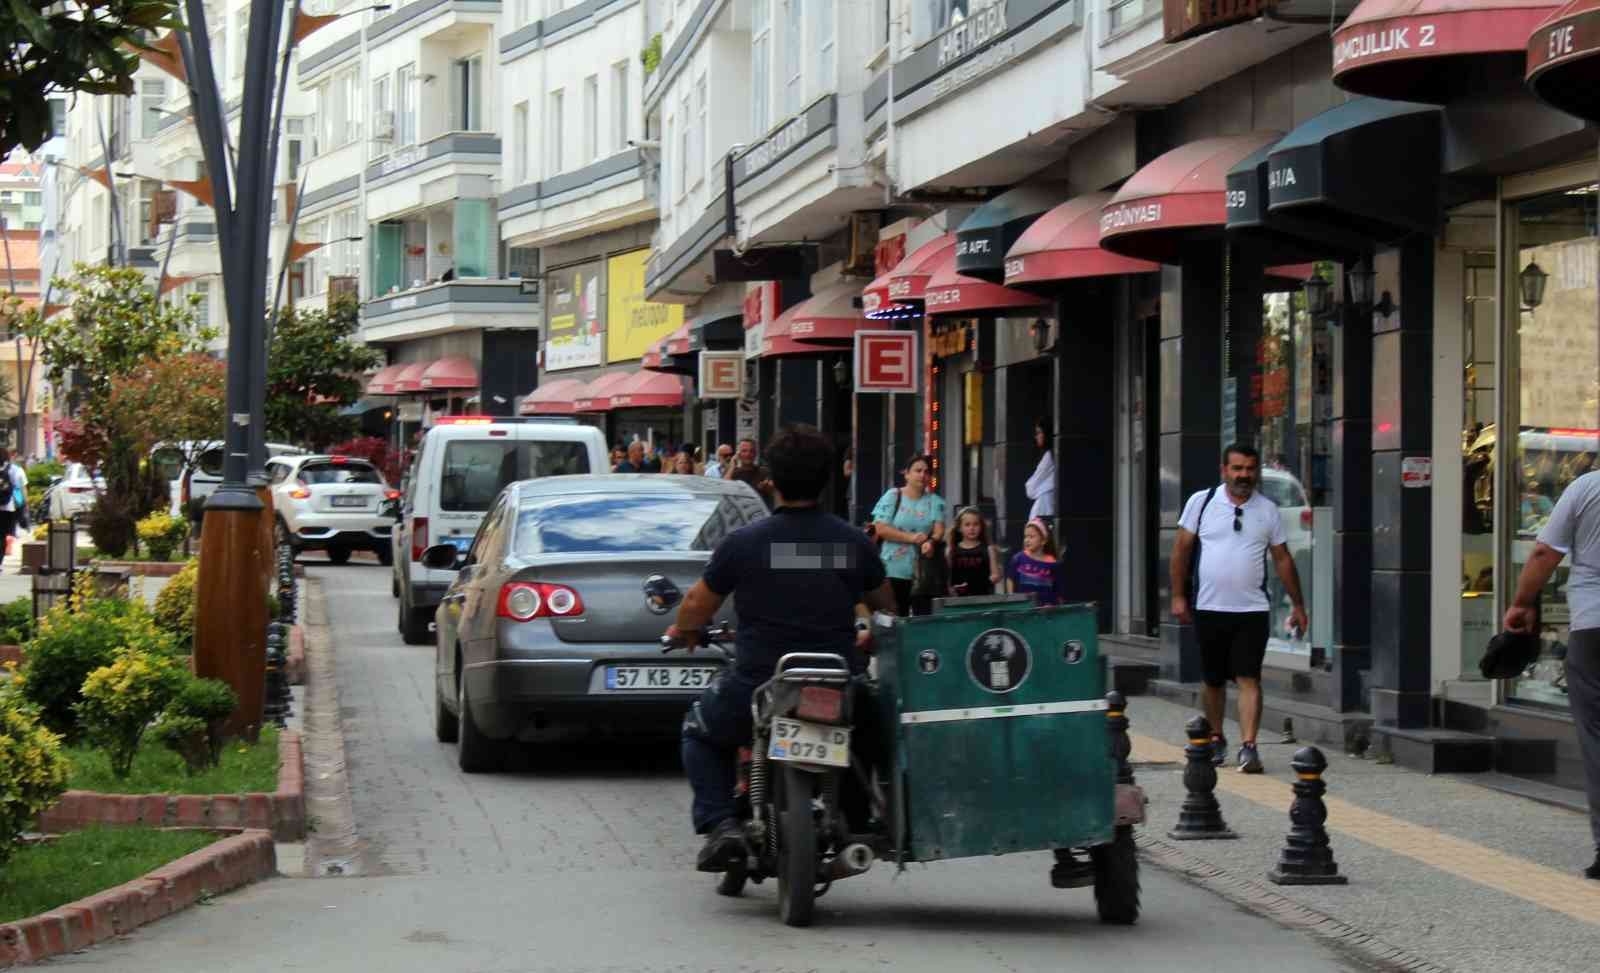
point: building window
(405, 109)
(202, 308)
(558, 123)
(760, 67)
(143, 231)
(793, 38)
(351, 88)
(822, 40)
(520, 146)
(591, 118)
(32, 199)
(620, 97)
(339, 112)
(667, 168)
(466, 97)
(697, 134)
(58, 117)
(152, 94)
(382, 110)
(294, 148)
(686, 175)
(522, 262)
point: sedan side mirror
(442, 557)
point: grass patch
(42, 876)
(142, 556)
(157, 770)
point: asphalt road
(581, 860)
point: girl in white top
(1041, 486)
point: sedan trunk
(615, 607)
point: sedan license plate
(659, 678)
(349, 501)
(809, 743)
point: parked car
(75, 492)
(461, 465)
(330, 503)
(552, 622)
(192, 484)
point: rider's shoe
(724, 846)
(1593, 871)
(1249, 760)
(1219, 750)
(1071, 870)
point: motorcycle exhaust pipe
(853, 860)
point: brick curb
(283, 812)
(1266, 901)
(143, 569)
(11, 653)
(244, 857)
(296, 653)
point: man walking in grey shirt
(1573, 530)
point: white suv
(461, 466)
(331, 503)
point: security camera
(645, 143)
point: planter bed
(282, 812)
(238, 858)
(141, 569)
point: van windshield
(475, 471)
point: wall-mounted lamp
(1319, 296)
(841, 373)
(1041, 335)
(1363, 284)
(1531, 282)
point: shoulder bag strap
(1194, 563)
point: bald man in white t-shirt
(1236, 530)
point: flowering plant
(162, 533)
(31, 766)
(122, 699)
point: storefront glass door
(1553, 364)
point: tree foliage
(313, 370)
(179, 400)
(56, 46)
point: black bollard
(1117, 731)
(278, 700)
(1200, 817)
(1306, 858)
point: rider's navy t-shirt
(796, 577)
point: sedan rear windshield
(339, 473)
(625, 523)
(475, 471)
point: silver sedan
(551, 624)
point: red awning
(1421, 50)
(653, 355)
(408, 378)
(949, 292)
(596, 396)
(1563, 59)
(885, 297)
(552, 398)
(677, 343)
(648, 390)
(828, 317)
(383, 382)
(1182, 191)
(450, 373)
(1288, 277)
(1064, 244)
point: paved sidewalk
(1466, 877)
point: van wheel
(414, 624)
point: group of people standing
(925, 560)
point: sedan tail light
(523, 601)
(419, 537)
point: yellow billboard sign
(633, 324)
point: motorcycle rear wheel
(797, 849)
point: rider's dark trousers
(714, 729)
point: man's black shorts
(1232, 644)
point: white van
(461, 466)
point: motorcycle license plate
(659, 678)
(809, 743)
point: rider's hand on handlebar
(688, 639)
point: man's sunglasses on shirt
(1238, 519)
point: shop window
(1553, 358)
(1480, 319)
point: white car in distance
(331, 503)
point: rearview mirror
(442, 557)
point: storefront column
(797, 391)
(1190, 416)
(1402, 529)
(1241, 349)
(1351, 476)
(727, 422)
(872, 474)
(1085, 421)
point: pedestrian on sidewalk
(718, 468)
(908, 522)
(13, 497)
(1573, 528)
(1041, 486)
(1035, 570)
(1226, 534)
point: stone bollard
(1117, 730)
(278, 706)
(1306, 858)
(1200, 817)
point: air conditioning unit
(383, 126)
(864, 229)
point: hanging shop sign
(886, 361)
(634, 324)
(950, 340)
(1182, 19)
(721, 374)
(574, 318)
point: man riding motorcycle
(798, 575)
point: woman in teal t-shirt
(909, 521)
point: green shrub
(121, 700)
(162, 534)
(41, 473)
(209, 703)
(185, 736)
(111, 526)
(174, 610)
(76, 638)
(32, 769)
(16, 621)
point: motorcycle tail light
(820, 704)
(523, 601)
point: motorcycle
(793, 779)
